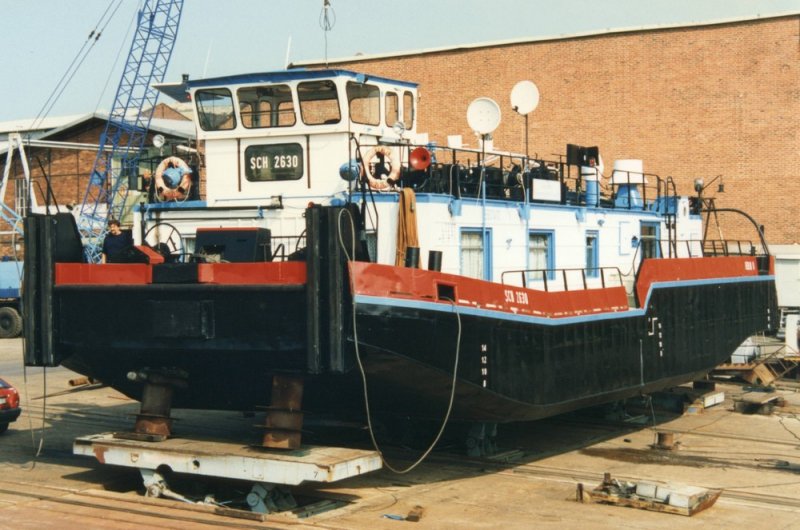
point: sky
(40, 39)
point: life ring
(391, 178)
(163, 191)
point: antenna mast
(327, 19)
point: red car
(9, 405)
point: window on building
(592, 254)
(266, 106)
(392, 109)
(475, 259)
(215, 109)
(364, 102)
(319, 102)
(648, 240)
(540, 254)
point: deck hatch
(183, 319)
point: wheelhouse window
(408, 109)
(364, 102)
(592, 254)
(266, 106)
(540, 255)
(391, 101)
(215, 109)
(272, 162)
(319, 102)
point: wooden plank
(758, 398)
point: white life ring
(391, 178)
(163, 192)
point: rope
(72, 69)
(371, 430)
(116, 61)
(407, 235)
(37, 449)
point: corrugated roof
(45, 124)
(528, 40)
(57, 124)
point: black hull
(227, 339)
(536, 370)
(231, 338)
(532, 370)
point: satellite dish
(158, 141)
(483, 115)
(524, 97)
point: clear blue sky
(40, 38)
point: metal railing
(728, 247)
(576, 279)
(473, 174)
(282, 247)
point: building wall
(68, 171)
(691, 102)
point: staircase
(773, 362)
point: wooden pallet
(677, 500)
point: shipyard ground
(754, 459)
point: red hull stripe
(685, 269)
(267, 273)
(386, 281)
(105, 274)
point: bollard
(435, 260)
(412, 257)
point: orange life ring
(164, 192)
(391, 178)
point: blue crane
(126, 130)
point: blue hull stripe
(546, 321)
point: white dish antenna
(483, 115)
(524, 97)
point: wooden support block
(415, 514)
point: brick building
(68, 162)
(691, 101)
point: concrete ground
(754, 459)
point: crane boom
(126, 130)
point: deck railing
(576, 279)
(471, 174)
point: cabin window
(319, 102)
(648, 240)
(408, 109)
(364, 102)
(266, 106)
(475, 260)
(273, 162)
(392, 109)
(540, 255)
(592, 254)
(215, 109)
